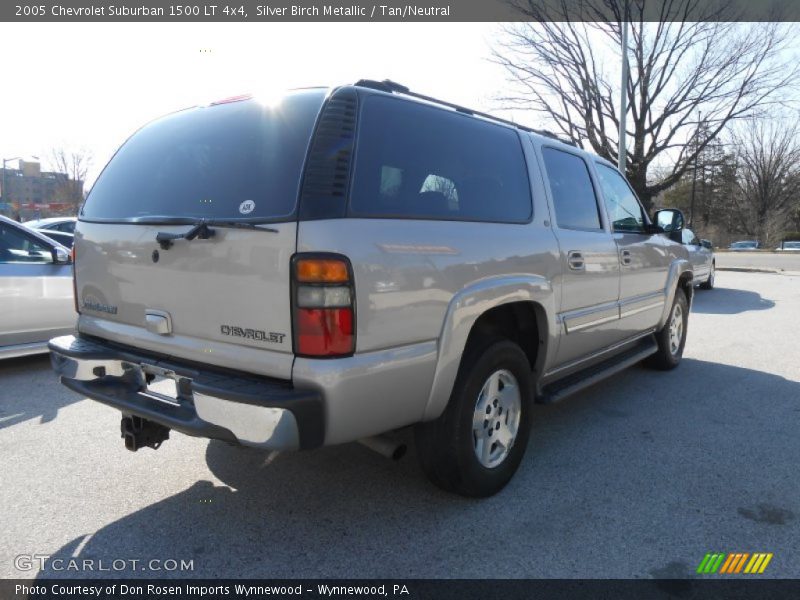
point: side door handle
(575, 260)
(625, 257)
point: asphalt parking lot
(639, 476)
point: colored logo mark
(734, 562)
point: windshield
(234, 160)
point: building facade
(29, 192)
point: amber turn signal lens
(316, 270)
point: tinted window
(415, 161)
(573, 195)
(688, 237)
(209, 161)
(623, 207)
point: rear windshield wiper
(201, 228)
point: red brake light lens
(325, 331)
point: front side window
(16, 247)
(624, 210)
(574, 200)
(421, 162)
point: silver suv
(346, 262)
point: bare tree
(767, 178)
(74, 165)
(688, 62)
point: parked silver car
(701, 255)
(36, 291)
(352, 261)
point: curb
(758, 270)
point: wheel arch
(487, 309)
(680, 276)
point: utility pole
(694, 171)
(623, 102)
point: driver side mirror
(671, 221)
(707, 244)
(61, 256)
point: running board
(571, 384)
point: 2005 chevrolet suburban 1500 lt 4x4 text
(347, 262)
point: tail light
(323, 305)
(74, 282)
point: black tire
(447, 446)
(708, 284)
(669, 354)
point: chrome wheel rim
(676, 329)
(495, 422)
(711, 276)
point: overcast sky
(91, 84)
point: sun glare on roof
(269, 98)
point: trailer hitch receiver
(138, 433)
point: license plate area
(165, 385)
(162, 389)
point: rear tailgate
(225, 301)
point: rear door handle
(575, 260)
(625, 257)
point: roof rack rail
(392, 87)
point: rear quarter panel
(407, 272)
(422, 281)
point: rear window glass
(415, 161)
(236, 160)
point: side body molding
(466, 307)
(677, 268)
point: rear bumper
(252, 411)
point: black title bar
(395, 10)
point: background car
(701, 255)
(35, 290)
(744, 246)
(65, 224)
(788, 247)
(62, 237)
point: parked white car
(65, 224)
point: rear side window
(235, 160)
(574, 199)
(419, 162)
